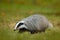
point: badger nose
(14, 30)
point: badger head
(21, 26)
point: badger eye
(20, 24)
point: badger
(33, 24)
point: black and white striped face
(20, 26)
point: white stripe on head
(18, 23)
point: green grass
(10, 14)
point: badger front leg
(33, 31)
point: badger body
(35, 23)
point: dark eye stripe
(20, 24)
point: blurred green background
(12, 11)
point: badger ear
(19, 24)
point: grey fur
(36, 23)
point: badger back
(36, 22)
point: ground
(10, 14)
